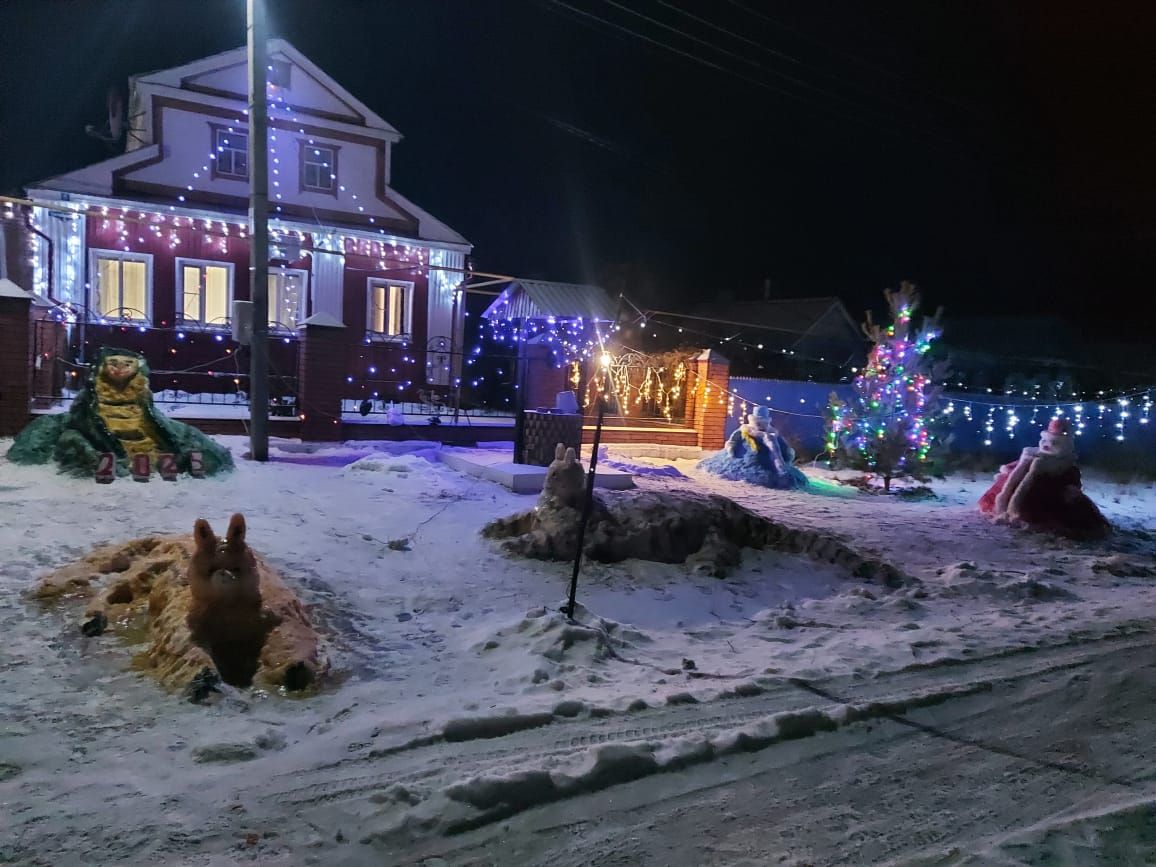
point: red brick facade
(15, 363)
(712, 382)
(321, 372)
(320, 377)
(647, 436)
(543, 380)
(707, 402)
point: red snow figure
(1042, 489)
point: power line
(902, 79)
(782, 55)
(682, 33)
(703, 61)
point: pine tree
(884, 430)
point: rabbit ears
(206, 540)
(565, 455)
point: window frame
(215, 171)
(95, 254)
(406, 335)
(303, 147)
(184, 261)
(302, 302)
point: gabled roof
(816, 328)
(790, 315)
(541, 299)
(219, 81)
(94, 179)
(190, 73)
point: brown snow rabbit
(226, 615)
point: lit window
(286, 291)
(121, 284)
(388, 308)
(204, 291)
(318, 168)
(230, 153)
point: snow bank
(443, 636)
(491, 797)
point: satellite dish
(115, 103)
(113, 132)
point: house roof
(541, 299)
(789, 315)
(278, 49)
(8, 289)
(214, 81)
(816, 328)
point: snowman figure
(757, 453)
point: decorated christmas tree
(884, 429)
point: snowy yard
(99, 765)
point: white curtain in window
(216, 294)
(134, 289)
(396, 310)
(377, 308)
(191, 293)
(285, 299)
(107, 301)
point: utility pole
(258, 233)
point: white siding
(441, 367)
(328, 283)
(186, 166)
(67, 234)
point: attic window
(318, 168)
(279, 73)
(230, 153)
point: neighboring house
(818, 333)
(149, 249)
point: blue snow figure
(756, 453)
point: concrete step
(522, 478)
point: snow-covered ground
(98, 765)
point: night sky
(1000, 154)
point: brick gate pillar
(543, 380)
(320, 378)
(15, 358)
(712, 382)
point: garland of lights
(176, 228)
(387, 254)
(568, 338)
(886, 429)
(634, 381)
(1126, 407)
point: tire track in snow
(433, 766)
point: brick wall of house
(15, 364)
(320, 376)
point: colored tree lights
(884, 430)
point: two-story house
(148, 249)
